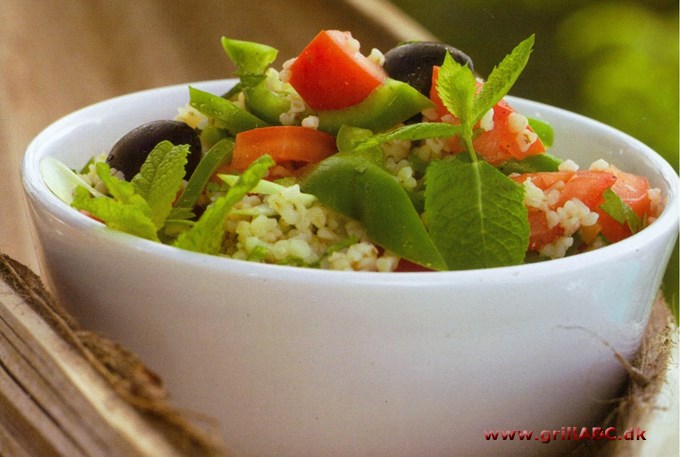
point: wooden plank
(54, 399)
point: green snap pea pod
(217, 155)
(227, 114)
(388, 105)
(544, 131)
(349, 137)
(211, 135)
(252, 60)
(265, 104)
(531, 164)
(356, 186)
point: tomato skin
(286, 144)
(330, 74)
(502, 138)
(587, 186)
(406, 266)
(539, 232)
(633, 190)
(545, 180)
(500, 143)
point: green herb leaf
(411, 132)
(125, 210)
(207, 234)
(456, 87)
(160, 178)
(620, 211)
(476, 216)
(502, 78)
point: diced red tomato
(540, 234)
(633, 191)
(589, 186)
(286, 144)
(330, 73)
(410, 267)
(499, 144)
(545, 180)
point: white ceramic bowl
(300, 362)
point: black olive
(130, 152)
(412, 62)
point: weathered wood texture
(65, 391)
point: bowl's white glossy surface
(298, 362)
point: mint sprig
(160, 178)
(502, 78)
(476, 215)
(457, 88)
(125, 210)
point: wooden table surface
(60, 55)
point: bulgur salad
(403, 161)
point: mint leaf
(160, 178)
(412, 132)
(502, 78)
(456, 87)
(207, 234)
(119, 189)
(476, 216)
(125, 211)
(620, 211)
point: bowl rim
(37, 191)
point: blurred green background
(614, 61)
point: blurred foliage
(631, 80)
(614, 61)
